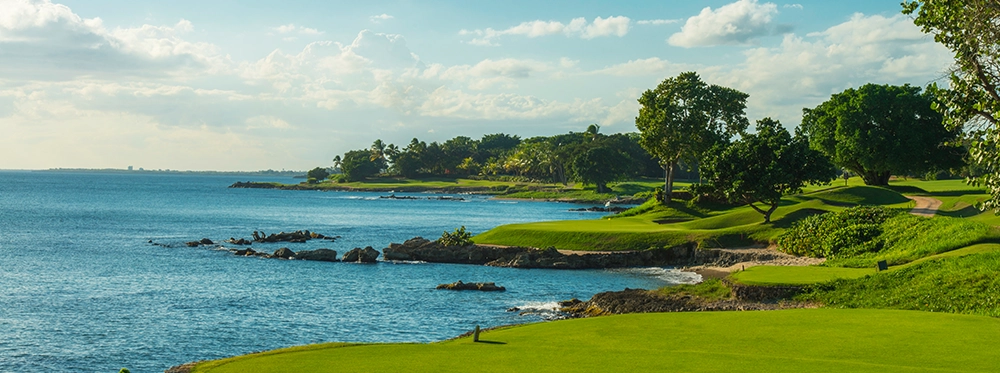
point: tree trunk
(602, 187)
(876, 177)
(668, 182)
(767, 214)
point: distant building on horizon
(130, 168)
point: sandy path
(925, 206)
(780, 259)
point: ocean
(95, 276)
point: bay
(82, 289)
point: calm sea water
(82, 290)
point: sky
(253, 85)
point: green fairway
(790, 275)
(804, 340)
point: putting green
(809, 340)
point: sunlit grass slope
(810, 340)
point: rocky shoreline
(751, 298)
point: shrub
(457, 238)
(847, 233)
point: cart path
(925, 206)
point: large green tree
(600, 165)
(683, 117)
(971, 29)
(762, 167)
(357, 165)
(880, 130)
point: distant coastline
(282, 173)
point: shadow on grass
(790, 218)
(491, 342)
(908, 189)
(964, 212)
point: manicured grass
(809, 340)
(860, 195)
(790, 275)
(963, 284)
(733, 227)
(711, 289)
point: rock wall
(421, 249)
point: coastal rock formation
(366, 255)
(480, 286)
(297, 236)
(283, 253)
(239, 241)
(203, 241)
(322, 255)
(642, 301)
(421, 249)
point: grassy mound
(861, 236)
(965, 284)
(817, 340)
(860, 195)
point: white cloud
(284, 29)
(792, 6)
(41, 40)
(805, 71)
(577, 27)
(657, 22)
(381, 17)
(267, 121)
(641, 67)
(736, 23)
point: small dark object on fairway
(882, 265)
(475, 334)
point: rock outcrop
(297, 236)
(359, 255)
(421, 249)
(642, 301)
(480, 286)
(322, 255)
(283, 253)
(203, 241)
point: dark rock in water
(296, 237)
(366, 255)
(571, 302)
(283, 253)
(322, 255)
(244, 252)
(205, 241)
(192, 243)
(420, 249)
(239, 241)
(480, 286)
(513, 309)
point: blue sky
(227, 85)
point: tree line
(590, 157)
(684, 124)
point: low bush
(457, 238)
(711, 290)
(845, 233)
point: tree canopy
(358, 164)
(683, 117)
(971, 30)
(317, 174)
(880, 130)
(762, 167)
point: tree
(317, 174)
(762, 167)
(357, 165)
(683, 117)
(496, 146)
(879, 130)
(969, 28)
(600, 165)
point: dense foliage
(457, 238)
(835, 234)
(970, 29)
(317, 174)
(683, 117)
(589, 157)
(861, 236)
(764, 166)
(880, 130)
